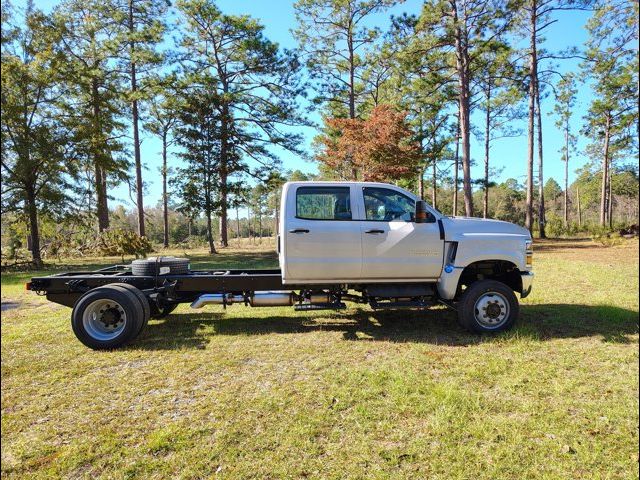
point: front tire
(488, 306)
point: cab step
(379, 305)
(304, 307)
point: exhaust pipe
(257, 299)
(213, 299)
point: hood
(468, 226)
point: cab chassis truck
(364, 242)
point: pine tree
(534, 17)
(93, 94)
(141, 29)
(499, 101)
(334, 36)
(426, 91)
(37, 169)
(163, 117)
(461, 31)
(612, 63)
(198, 133)
(565, 101)
(256, 84)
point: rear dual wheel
(108, 317)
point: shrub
(122, 242)
(555, 227)
(604, 236)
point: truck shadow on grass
(438, 326)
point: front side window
(384, 205)
(323, 203)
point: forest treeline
(82, 85)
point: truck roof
(341, 182)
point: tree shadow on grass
(436, 326)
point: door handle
(374, 231)
(299, 230)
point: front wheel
(488, 306)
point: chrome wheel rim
(104, 319)
(491, 310)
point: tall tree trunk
(224, 159)
(208, 212)
(352, 93)
(533, 77)
(434, 185)
(566, 173)
(32, 210)
(541, 210)
(487, 143)
(610, 200)
(276, 218)
(135, 118)
(165, 196)
(605, 172)
(102, 208)
(238, 223)
(456, 162)
(101, 197)
(421, 182)
(579, 206)
(260, 225)
(462, 67)
(212, 248)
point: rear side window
(323, 203)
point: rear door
(393, 245)
(323, 242)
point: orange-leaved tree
(379, 148)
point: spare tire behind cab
(153, 266)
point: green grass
(271, 393)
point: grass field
(271, 393)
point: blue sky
(509, 154)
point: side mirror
(423, 215)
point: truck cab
(368, 233)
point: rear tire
(144, 303)
(488, 306)
(107, 317)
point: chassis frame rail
(67, 288)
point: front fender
(478, 248)
(474, 248)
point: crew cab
(338, 242)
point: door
(393, 245)
(323, 240)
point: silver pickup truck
(371, 243)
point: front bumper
(527, 283)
